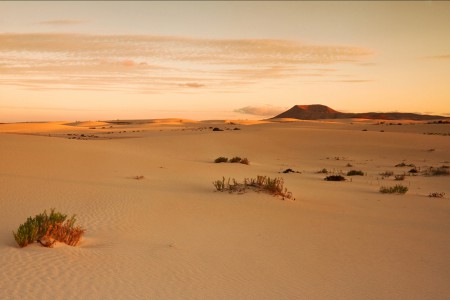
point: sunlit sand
(171, 235)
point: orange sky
(216, 60)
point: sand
(172, 236)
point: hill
(318, 111)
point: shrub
(439, 171)
(404, 165)
(335, 178)
(245, 161)
(436, 195)
(47, 229)
(217, 129)
(323, 171)
(221, 159)
(349, 165)
(289, 170)
(355, 172)
(397, 189)
(273, 186)
(387, 173)
(235, 159)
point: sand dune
(171, 236)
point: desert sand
(172, 236)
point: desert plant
(436, 195)
(245, 161)
(220, 184)
(335, 178)
(387, 173)
(221, 159)
(323, 171)
(355, 172)
(439, 171)
(273, 186)
(139, 177)
(235, 159)
(47, 229)
(397, 189)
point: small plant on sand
(335, 178)
(397, 189)
(235, 159)
(355, 173)
(139, 177)
(221, 159)
(273, 186)
(387, 174)
(245, 161)
(47, 229)
(439, 171)
(323, 171)
(436, 195)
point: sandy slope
(171, 236)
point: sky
(62, 60)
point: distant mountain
(318, 111)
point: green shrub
(48, 228)
(355, 172)
(221, 159)
(397, 189)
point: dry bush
(47, 229)
(335, 178)
(439, 171)
(221, 159)
(273, 186)
(397, 189)
(355, 173)
(245, 161)
(235, 159)
(387, 174)
(436, 195)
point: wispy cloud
(62, 22)
(440, 57)
(265, 111)
(160, 63)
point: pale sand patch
(171, 236)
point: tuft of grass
(387, 174)
(221, 159)
(273, 186)
(335, 178)
(355, 173)
(235, 159)
(439, 171)
(245, 161)
(397, 189)
(47, 229)
(436, 195)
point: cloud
(440, 57)
(265, 111)
(192, 85)
(138, 63)
(62, 22)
